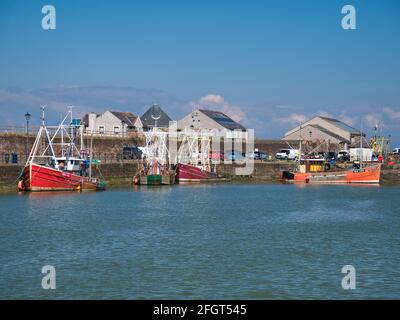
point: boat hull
(369, 175)
(157, 179)
(190, 173)
(42, 178)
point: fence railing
(12, 130)
(15, 158)
(18, 130)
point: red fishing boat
(192, 173)
(70, 170)
(195, 158)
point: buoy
(136, 180)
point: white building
(112, 123)
(324, 129)
(209, 119)
(212, 120)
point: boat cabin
(313, 165)
(72, 164)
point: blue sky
(268, 63)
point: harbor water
(206, 241)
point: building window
(116, 130)
(101, 129)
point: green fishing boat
(154, 166)
(157, 179)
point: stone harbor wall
(105, 148)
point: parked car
(262, 156)
(343, 156)
(234, 156)
(396, 151)
(331, 155)
(257, 155)
(216, 155)
(131, 153)
(314, 155)
(287, 154)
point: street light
(123, 126)
(27, 118)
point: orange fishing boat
(319, 171)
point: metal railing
(20, 130)
(15, 158)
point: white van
(287, 154)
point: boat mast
(361, 146)
(301, 138)
(43, 107)
(300, 147)
(91, 154)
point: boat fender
(21, 185)
(136, 180)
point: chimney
(92, 121)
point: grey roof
(222, 119)
(324, 130)
(341, 125)
(356, 143)
(153, 114)
(128, 117)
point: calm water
(204, 241)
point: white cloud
(393, 114)
(373, 119)
(292, 119)
(217, 102)
(212, 98)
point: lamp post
(27, 118)
(123, 127)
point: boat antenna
(43, 107)
(70, 111)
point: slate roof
(356, 142)
(341, 125)
(128, 117)
(324, 130)
(222, 119)
(155, 111)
